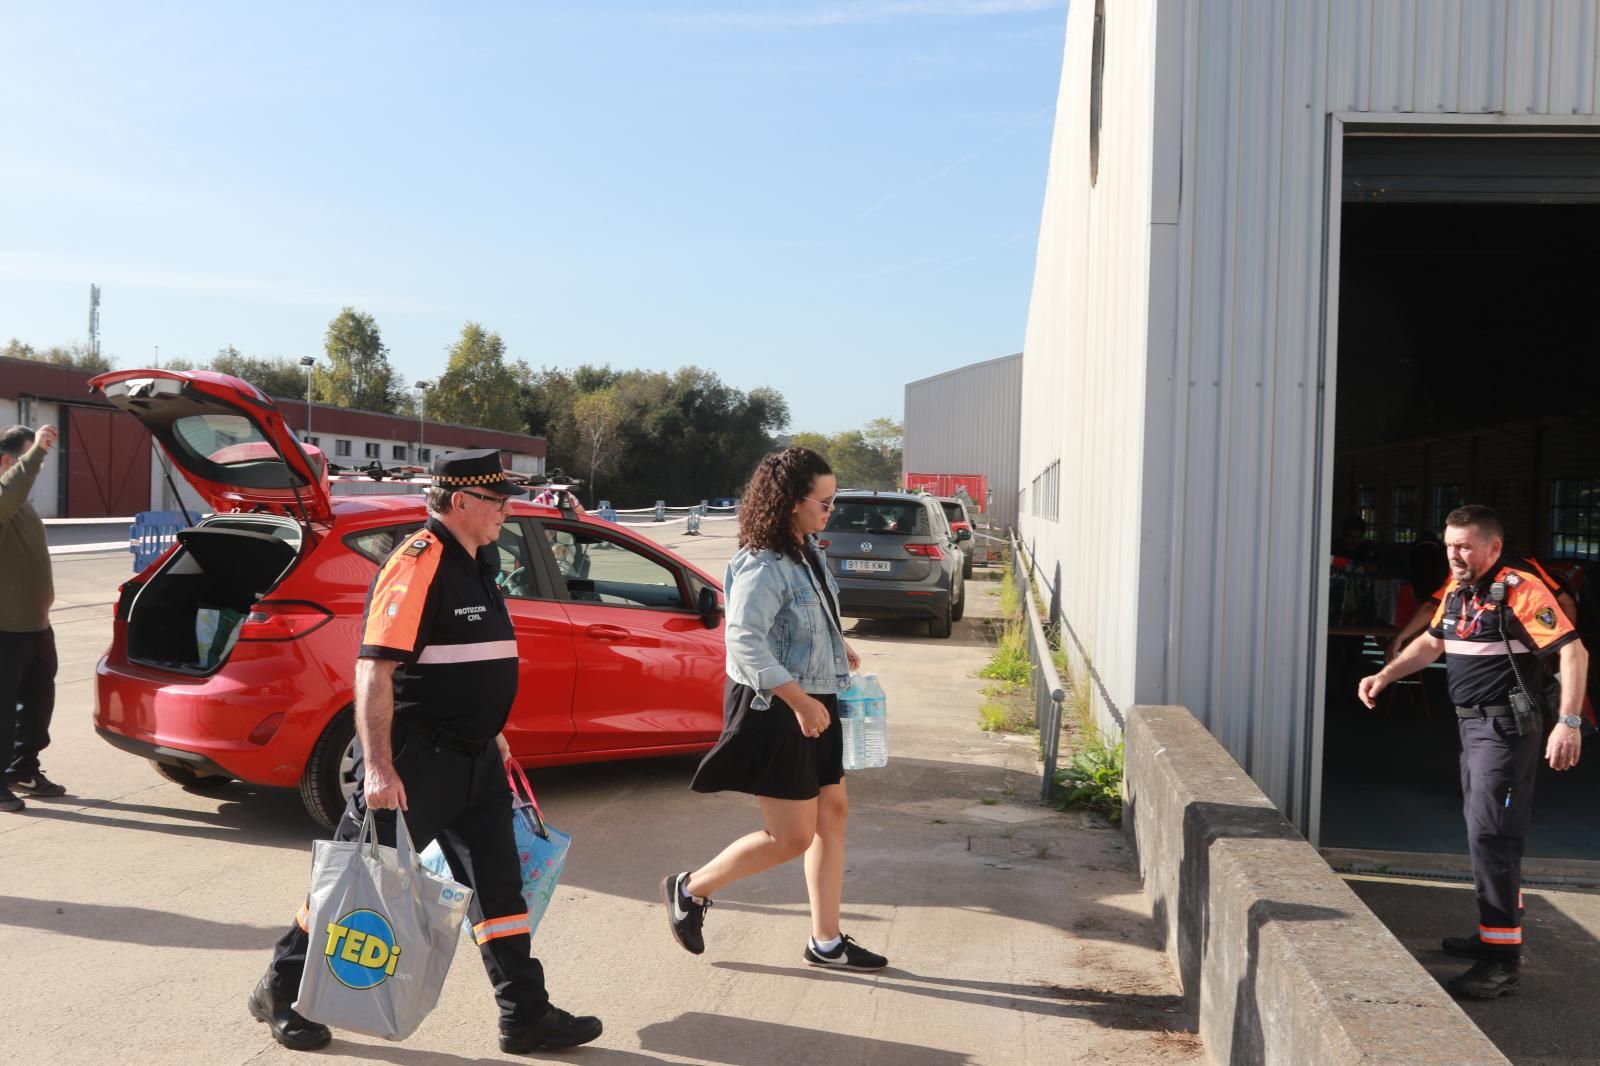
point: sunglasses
(500, 502)
(827, 505)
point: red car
(233, 654)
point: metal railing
(1048, 693)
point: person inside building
(27, 643)
(787, 662)
(1497, 626)
(435, 681)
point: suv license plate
(867, 566)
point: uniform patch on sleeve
(416, 548)
(1513, 580)
(1547, 617)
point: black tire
(966, 567)
(326, 786)
(961, 605)
(193, 780)
(940, 625)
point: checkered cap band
(469, 479)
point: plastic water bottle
(852, 722)
(875, 724)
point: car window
(905, 518)
(516, 576)
(597, 569)
(379, 544)
(954, 513)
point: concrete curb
(1278, 958)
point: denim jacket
(779, 627)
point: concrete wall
(969, 421)
(1278, 958)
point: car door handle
(609, 634)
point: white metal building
(1218, 171)
(969, 421)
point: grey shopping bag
(383, 931)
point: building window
(1446, 498)
(1367, 509)
(398, 452)
(313, 441)
(341, 447)
(1097, 80)
(1403, 514)
(373, 450)
(1046, 492)
(1575, 519)
(427, 455)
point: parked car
(895, 556)
(960, 519)
(620, 640)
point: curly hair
(766, 511)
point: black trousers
(462, 800)
(27, 699)
(1498, 769)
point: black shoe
(1469, 947)
(847, 956)
(555, 1028)
(685, 919)
(288, 1028)
(9, 801)
(1488, 979)
(36, 785)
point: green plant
(1010, 660)
(1010, 599)
(1092, 779)
(988, 801)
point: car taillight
(282, 621)
(930, 550)
(959, 526)
(823, 544)
(125, 594)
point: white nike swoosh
(678, 913)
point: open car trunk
(186, 616)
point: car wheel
(193, 780)
(940, 626)
(966, 567)
(330, 779)
(961, 605)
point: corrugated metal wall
(969, 421)
(1174, 340)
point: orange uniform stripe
(394, 613)
(495, 928)
(302, 916)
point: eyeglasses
(501, 503)
(827, 505)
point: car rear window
(379, 544)
(953, 512)
(880, 517)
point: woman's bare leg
(790, 827)
(825, 861)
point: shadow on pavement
(1553, 1019)
(133, 925)
(588, 1055)
(1107, 1009)
(962, 635)
(740, 1042)
(272, 817)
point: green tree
(73, 355)
(358, 374)
(887, 436)
(861, 459)
(599, 417)
(273, 375)
(478, 387)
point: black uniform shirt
(436, 610)
(1475, 630)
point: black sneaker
(555, 1028)
(36, 785)
(847, 956)
(684, 917)
(1488, 979)
(9, 800)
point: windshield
(953, 512)
(229, 448)
(880, 517)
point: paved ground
(135, 916)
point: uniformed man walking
(1496, 626)
(434, 685)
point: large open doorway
(1468, 371)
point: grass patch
(1007, 708)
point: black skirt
(765, 754)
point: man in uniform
(1488, 607)
(434, 684)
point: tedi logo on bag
(361, 949)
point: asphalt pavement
(135, 916)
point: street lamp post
(308, 361)
(422, 388)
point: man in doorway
(1496, 626)
(27, 643)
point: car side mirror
(708, 608)
(963, 534)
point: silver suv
(894, 555)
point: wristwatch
(1571, 720)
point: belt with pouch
(1484, 710)
(443, 738)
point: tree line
(634, 435)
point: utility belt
(1524, 712)
(440, 737)
(1484, 710)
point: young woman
(781, 740)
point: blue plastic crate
(152, 533)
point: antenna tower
(94, 321)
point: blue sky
(829, 197)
